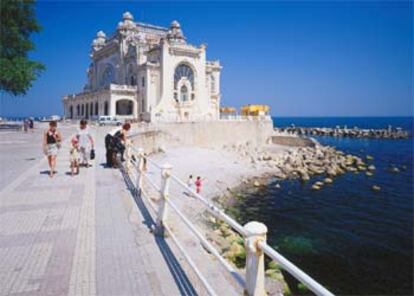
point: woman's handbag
(92, 153)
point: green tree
(17, 23)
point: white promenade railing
(254, 233)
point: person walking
(25, 125)
(74, 156)
(31, 124)
(86, 142)
(190, 181)
(51, 143)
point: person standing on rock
(51, 144)
(86, 142)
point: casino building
(148, 73)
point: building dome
(127, 16)
(175, 24)
(175, 34)
(101, 34)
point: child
(190, 181)
(198, 184)
(74, 157)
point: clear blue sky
(326, 58)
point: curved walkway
(81, 235)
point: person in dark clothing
(121, 138)
(110, 150)
(115, 144)
(31, 124)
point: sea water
(351, 239)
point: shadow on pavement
(180, 278)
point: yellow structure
(254, 110)
(228, 110)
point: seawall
(208, 134)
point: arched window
(83, 110)
(91, 109)
(132, 80)
(184, 93)
(77, 110)
(106, 111)
(181, 71)
(71, 112)
(96, 109)
(131, 77)
(108, 75)
(124, 107)
(87, 110)
(213, 84)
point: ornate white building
(148, 73)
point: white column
(162, 211)
(140, 169)
(135, 107)
(255, 269)
(112, 106)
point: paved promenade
(82, 235)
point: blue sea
(346, 236)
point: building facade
(148, 73)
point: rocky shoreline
(231, 245)
(238, 170)
(388, 133)
(300, 162)
(304, 161)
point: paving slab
(81, 235)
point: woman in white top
(85, 142)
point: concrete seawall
(211, 134)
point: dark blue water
(349, 238)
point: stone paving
(81, 235)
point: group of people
(28, 123)
(82, 146)
(115, 144)
(82, 149)
(197, 183)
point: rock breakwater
(388, 133)
(305, 162)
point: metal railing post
(255, 269)
(140, 169)
(128, 157)
(162, 211)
